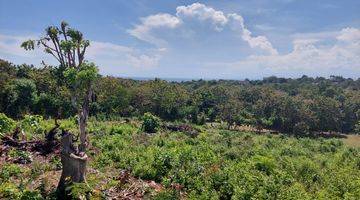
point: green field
(215, 164)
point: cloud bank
(199, 12)
(312, 52)
(317, 53)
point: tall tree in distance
(68, 47)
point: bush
(234, 165)
(6, 123)
(22, 157)
(264, 164)
(357, 128)
(9, 191)
(301, 128)
(121, 129)
(32, 123)
(150, 123)
(9, 170)
(201, 119)
(78, 190)
(31, 195)
(167, 194)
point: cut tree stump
(73, 165)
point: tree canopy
(288, 105)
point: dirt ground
(352, 140)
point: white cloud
(264, 27)
(144, 61)
(200, 12)
(161, 20)
(349, 35)
(104, 54)
(105, 48)
(309, 56)
(255, 42)
(314, 53)
(10, 49)
(11, 45)
(203, 13)
(324, 35)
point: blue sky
(196, 39)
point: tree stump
(73, 165)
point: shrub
(357, 128)
(301, 128)
(55, 160)
(6, 123)
(150, 123)
(31, 195)
(121, 129)
(9, 170)
(22, 157)
(38, 168)
(201, 119)
(308, 173)
(220, 182)
(295, 191)
(9, 191)
(264, 164)
(78, 190)
(162, 164)
(167, 194)
(235, 165)
(32, 123)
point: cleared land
(213, 164)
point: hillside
(127, 163)
(301, 106)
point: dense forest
(299, 106)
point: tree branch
(58, 52)
(51, 50)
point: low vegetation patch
(172, 164)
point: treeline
(298, 106)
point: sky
(215, 39)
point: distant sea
(166, 79)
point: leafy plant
(6, 123)
(167, 195)
(9, 170)
(357, 128)
(20, 156)
(150, 123)
(32, 123)
(31, 195)
(9, 191)
(78, 190)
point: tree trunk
(73, 163)
(82, 128)
(83, 116)
(74, 159)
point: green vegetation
(217, 164)
(150, 123)
(155, 139)
(68, 46)
(295, 106)
(6, 123)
